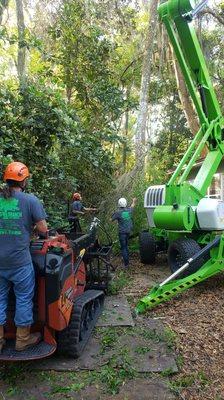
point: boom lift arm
(178, 213)
(170, 287)
(177, 16)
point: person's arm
(134, 201)
(89, 209)
(38, 215)
(75, 212)
(114, 217)
(41, 226)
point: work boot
(2, 340)
(25, 339)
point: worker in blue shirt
(125, 225)
(77, 209)
(20, 212)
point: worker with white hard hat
(125, 224)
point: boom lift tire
(180, 251)
(147, 247)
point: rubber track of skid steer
(86, 310)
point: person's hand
(52, 232)
(34, 235)
(134, 200)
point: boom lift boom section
(177, 218)
(177, 17)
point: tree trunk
(186, 102)
(215, 14)
(125, 143)
(145, 80)
(3, 5)
(126, 126)
(21, 55)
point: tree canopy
(73, 74)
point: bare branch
(214, 13)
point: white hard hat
(122, 202)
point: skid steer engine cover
(53, 264)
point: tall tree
(140, 135)
(185, 99)
(21, 55)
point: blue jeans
(123, 238)
(23, 280)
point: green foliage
(82, 50)
(167, 335)
(109, 338)
(9, 373)
(170, 337)
(172, 141)
(64, 123)
(74, 387)
(213, 49)
(40, 129)
(179, 361)
(198, 379)
(117, 372)
(142, 349)
(74, 121)
(121, 280)
(167, 372)
(179, 384)
(150, 334)
(139, 216)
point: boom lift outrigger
(183, 217)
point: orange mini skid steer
(65, 307)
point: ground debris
(196, 316)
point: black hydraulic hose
(77, 264)
(203, 99)
(110, 242)
(205, 250)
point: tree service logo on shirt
(126, 215)
(9, 213)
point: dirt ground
(196, 318)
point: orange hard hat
(16, 171)
(76, 196)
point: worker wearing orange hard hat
(77, 209)
(19, 213)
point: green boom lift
(182, 219)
